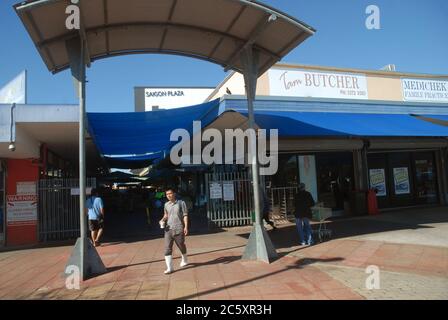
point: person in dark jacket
(303, 203)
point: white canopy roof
(212, 30)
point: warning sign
(21, 209)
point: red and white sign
(21, 209)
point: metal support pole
(82, 160)
(250, 79)
(84, 255)
(259, 246)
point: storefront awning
(291, 124)
(136, 139)
(436, 119)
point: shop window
(410, 178)
(286, 175)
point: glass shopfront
(287, 175)
(403, 178)
(335, 178)
(327, 176)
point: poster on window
(215, 190)
(401, 180)
(307, 172)
(378, 181)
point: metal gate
(282, 203)
(59, 208)
(225, 210)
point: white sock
(184, 261)
(169, 264)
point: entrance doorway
(328, 176)
(335, 179)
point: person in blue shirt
(95, 211)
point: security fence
(230, 200)
(59, 208)
(282, 203)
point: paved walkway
(331, 270)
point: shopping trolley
(321, 214)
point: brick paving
(330, 270)
(393, 285)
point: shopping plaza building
(342, 132)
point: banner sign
(425, 90)
(317, 84)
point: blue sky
(413, 36)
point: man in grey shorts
(175, 219)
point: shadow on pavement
(134, 227)
(224, 259)
(344, 227)
(299, 264)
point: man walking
(95, 211)
(175, 219)
(303, 203)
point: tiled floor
(331, 270)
